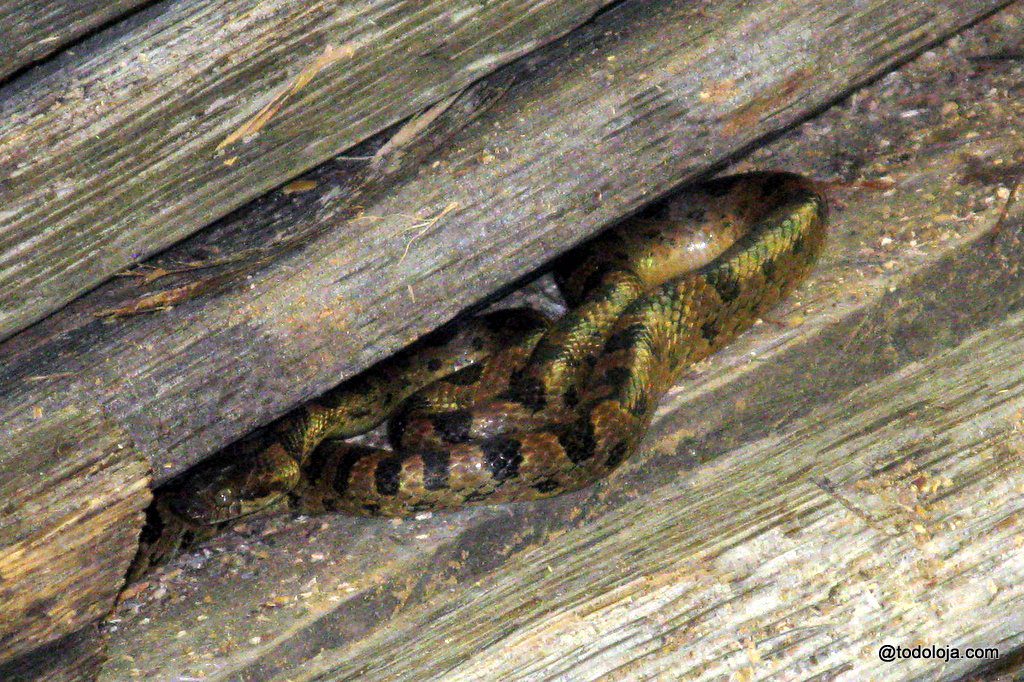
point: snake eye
(223, 497)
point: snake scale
(508, 406)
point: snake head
(232, 485)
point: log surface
(76, 657)
(847, 474)
(33, 29)
(70, 523)
(149, 132)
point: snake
(510, 406)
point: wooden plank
(1007, 669)
(76, 657)
(863, 484)
(143, 137)
(31, 30)
(70, 524)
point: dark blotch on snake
(453, 426)
(466, 377)
(314, 466)
(725, 284)
(616, 376)
(435, 469)
(386, 476)
(502, 457)
(640, 408)
(545, 351)
(616, 454)
(578, 441)
(344, 469)
(709, 330)
(526, 390)
(547, 485)
(624, 339)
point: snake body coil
(507, 407)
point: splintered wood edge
(69, 533)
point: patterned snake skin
(507, 406)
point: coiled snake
(507, 406)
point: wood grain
(76, 657)
(71, 521)
(31, 30)
(155, 129)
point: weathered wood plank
(33, 29)
(76, 657)
(1008, 668)
(71, 521)
(671, 570)
(127, 147)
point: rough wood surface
(154, 129)
(70, 523)
(1006, 669)
(76, 657)
(847, 475)
(33, 29)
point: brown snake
(507, 406)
